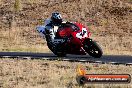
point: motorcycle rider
(50, 31)
(54, 20)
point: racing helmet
(56, 18)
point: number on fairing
(82, 34)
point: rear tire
(58, 50)
(93, 49)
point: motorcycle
(76, 39)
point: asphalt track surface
(112, 59)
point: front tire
(93, 49)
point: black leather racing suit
(54, 44)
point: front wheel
(93, 49)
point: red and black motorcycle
(78, 41)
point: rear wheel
(58, 50)
(93, 49)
